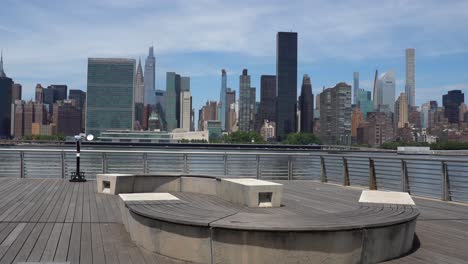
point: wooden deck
(54, 220)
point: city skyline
(327, 56)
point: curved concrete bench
(204, 228)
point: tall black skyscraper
(306, 105)
(451, 102)
(267, 100)
(6, 86)
(286, 83)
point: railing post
(145, 163)
(258, 166)
(185, 164)
(104, 162)
(21, 164)
(345, 172)
(404, 177)
(372, 178)
(445, 182)
(225, 164)
(323, 170)
(290, 168)
(62, 159)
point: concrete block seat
(206, 228)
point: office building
(109, 102)
(410, 86)
(139, 85)
(150, 77)
(67, 118)
(6, 86)
(357, 118)
(245, 109)
(39, 93)
(377, 130)
(207, 112)
(173, 88)
(185, 110)
(253, 108)
(306, 106)
(267, 109)
(365, 103)
(335, 115)
(80, 101)
(16, 92)
(267, 130)
(286, 83)
(386, 88)
(401, 111)
(355, 87)
(451, 102)
(377, 97)
(223, 100)
(230, 99)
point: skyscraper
(451, 102)
(306, 106)
(185, 110)
(6, 85)
(173, 87)
(139, 85)
(222, 100)
(365, 103)
(39, 93)
(410, 85)
(16, 92)
(67, 118)
(401, 111)
(109, 103)
(150, 77)
(267, 100)
(355, 87)
(231, 116)
(386, 87)
(80, 100)
(377, 96)
(286, 83)
(335, 114)
(253, 108)
(244, 101)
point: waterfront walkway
(55, 220)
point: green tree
(242, 137)
(301, 139)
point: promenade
(55, 220)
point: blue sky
(48, 41)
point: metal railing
(445, 178)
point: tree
(301, 139)
(241, 137)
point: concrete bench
(251, 192)
(248, 192)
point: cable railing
(439, 177)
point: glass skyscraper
(172, 100)
(386, 86)
(109, 103)
(364, 101)
(6, 85)
(355, 87)
(306, 105)
(286, 83)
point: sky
(49, 41)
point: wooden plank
(97, 244)
(86, 203)
(78, 217)
(28, 245)
(54, 215)
(61, 252)
(41, 243)
(51, 204)
(86, 251)
(110, 251)
(52, 243)
(94, 217)
(17, 244)
(72, 205)
(75, 244)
